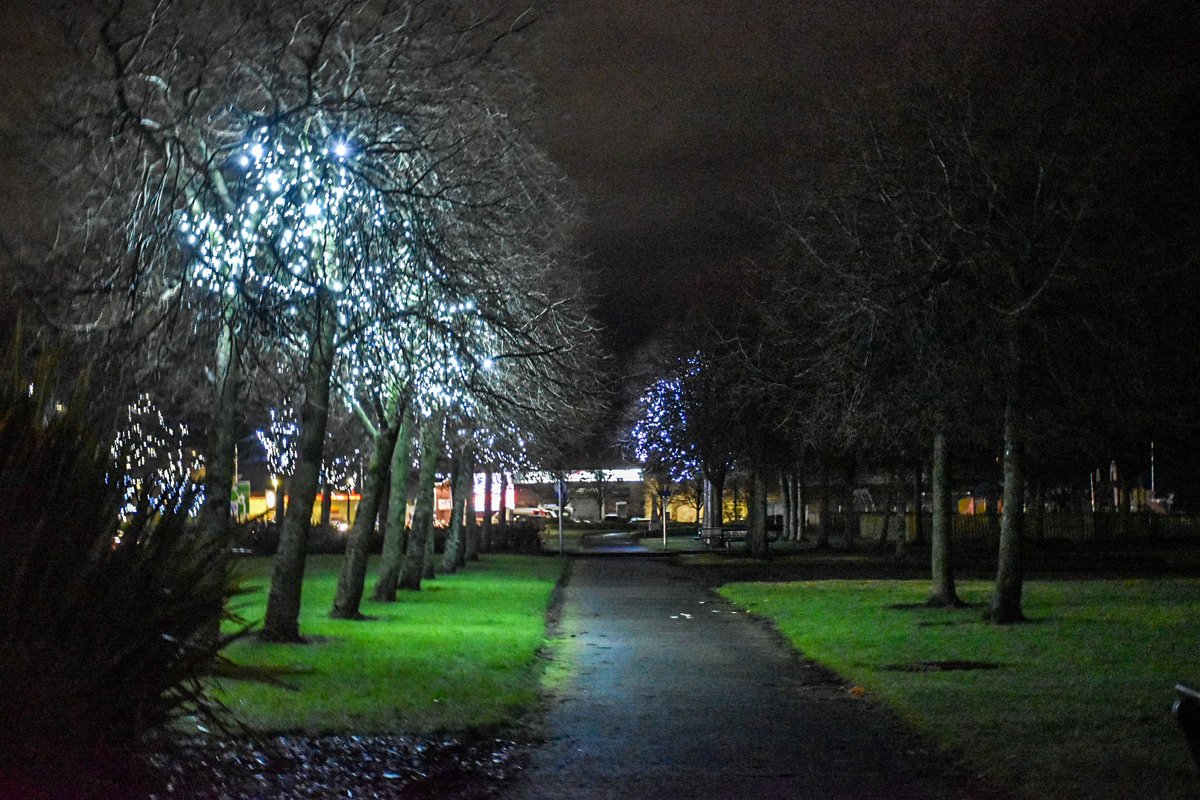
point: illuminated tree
(660, 435)
(153, 457)
(278, 441)
(687, 427)
(285, 176)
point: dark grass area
(1046, 560)
(1075, 704)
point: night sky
(671, 117)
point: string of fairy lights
(660, 432)
(307, 213)
(153, 460)
(311, 215)
(303, 218)
(279, 440)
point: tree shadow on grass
(949, 665)
(271, 675)
(924, 605)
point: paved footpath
(676, 695)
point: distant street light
(664, 493)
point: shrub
(100, 624)
(517, 537)
(260, 537)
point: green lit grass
(460, 655)
(1079, 707)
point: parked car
(532, 512)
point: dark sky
(27, 67)
(676, 117)
(673, 116)
(669, 116)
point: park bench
(1187, 713)
(721, 537)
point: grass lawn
(1078, 706)
(460, 655)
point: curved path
(611, 543)
(674, 694)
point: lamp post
(560, 490)
(664, 494)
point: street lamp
(561, 492)
(664, 494)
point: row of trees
(336, 203)
(990, 254)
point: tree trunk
(918, 503)
(384, 512)
(756, 538)
(789, 506)
(326, 504)
(281, 499)
(422, 522)
(502, 516)
(802, 505)
(881, 543)
(850, 520)
(459, 479)
(281, 622)
(222, 437)
(1006, 600)
(220, 456)
(823, 522)
(351, 579)
(485, 525)
(427, 569)
(941, 554)
(391, 560)
(471, 551)
(601, 489)
(716, 488)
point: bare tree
(273, 173)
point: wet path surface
(674, 695)
(613, 543)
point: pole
(561, 491)
(664, 525)
(664, 495)
(1152, 469)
